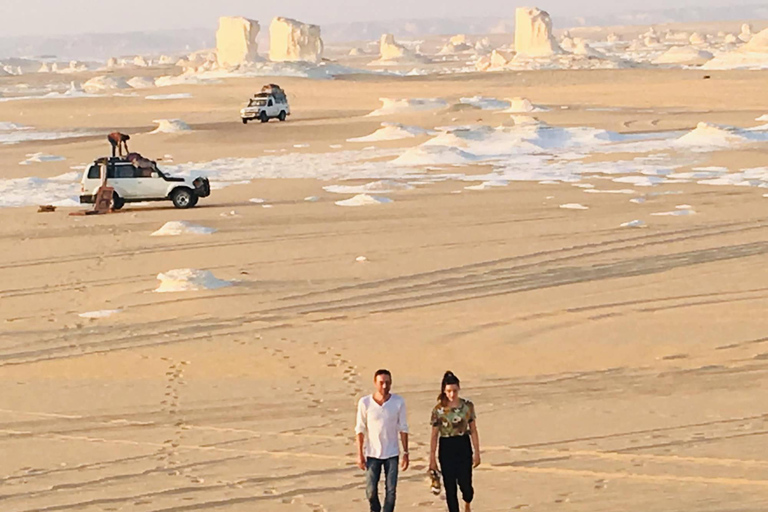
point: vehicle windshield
(257, 103)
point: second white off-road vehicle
(133, 184)
(270, 103)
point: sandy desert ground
(613, 368)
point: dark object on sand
(46, 208)
(707, 77)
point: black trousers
(455, 454)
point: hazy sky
(35, 17)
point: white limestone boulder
(294, 41)
(746, 32)
(533, 33)
(684, 56)
(391, 52)
(104, 84)
(236, 41)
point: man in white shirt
(381, 420)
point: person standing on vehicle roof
(118, 141)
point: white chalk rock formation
(456, 44)
(112, 63)
(533, 33)
(459, 39)
(697, 39)
(521, 105)
(390, 52)
(364, 200)
(731, 39)
(495, 61)
(188, 279)
(483, 45)
(177, 228)
(140, 62)
(294, 41)
(567, 44)
(581, 47)
(684, 56)
(650, 41)
(389, 49)
(613, 37)
(141, 82)
(104, 83)
(752, 55)
(746, 32)
(170, 126)
(677, 36)
(75, 67)
(44, 68)
(651, 38)
(236, 41)
(709, 134)
(499, 59)
(758, 43)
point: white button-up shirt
(381, 425)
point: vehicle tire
(282, 115)
(263, 117)
(117, 201)
(245, 121)
(183, 198)
(193, 202)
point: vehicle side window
(270, 103)
(93, 172)
(125, 171)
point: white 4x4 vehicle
(270, 103)
(133, 184)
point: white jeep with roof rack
(138, 181)
(270, 103)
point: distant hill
(101, 47)
(104, 46)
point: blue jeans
(372, 476)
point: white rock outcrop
(533, 33)
(684, 56)
(456, 44)
(141, 82)
(294, 41)
(483, 45)
(188, 279)
(752, 55)
(581, 47)
(697, 39)
(746, 32)
(495, 61)
(236, 41)
(758, 43)
(390, 51)
(105, 83)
